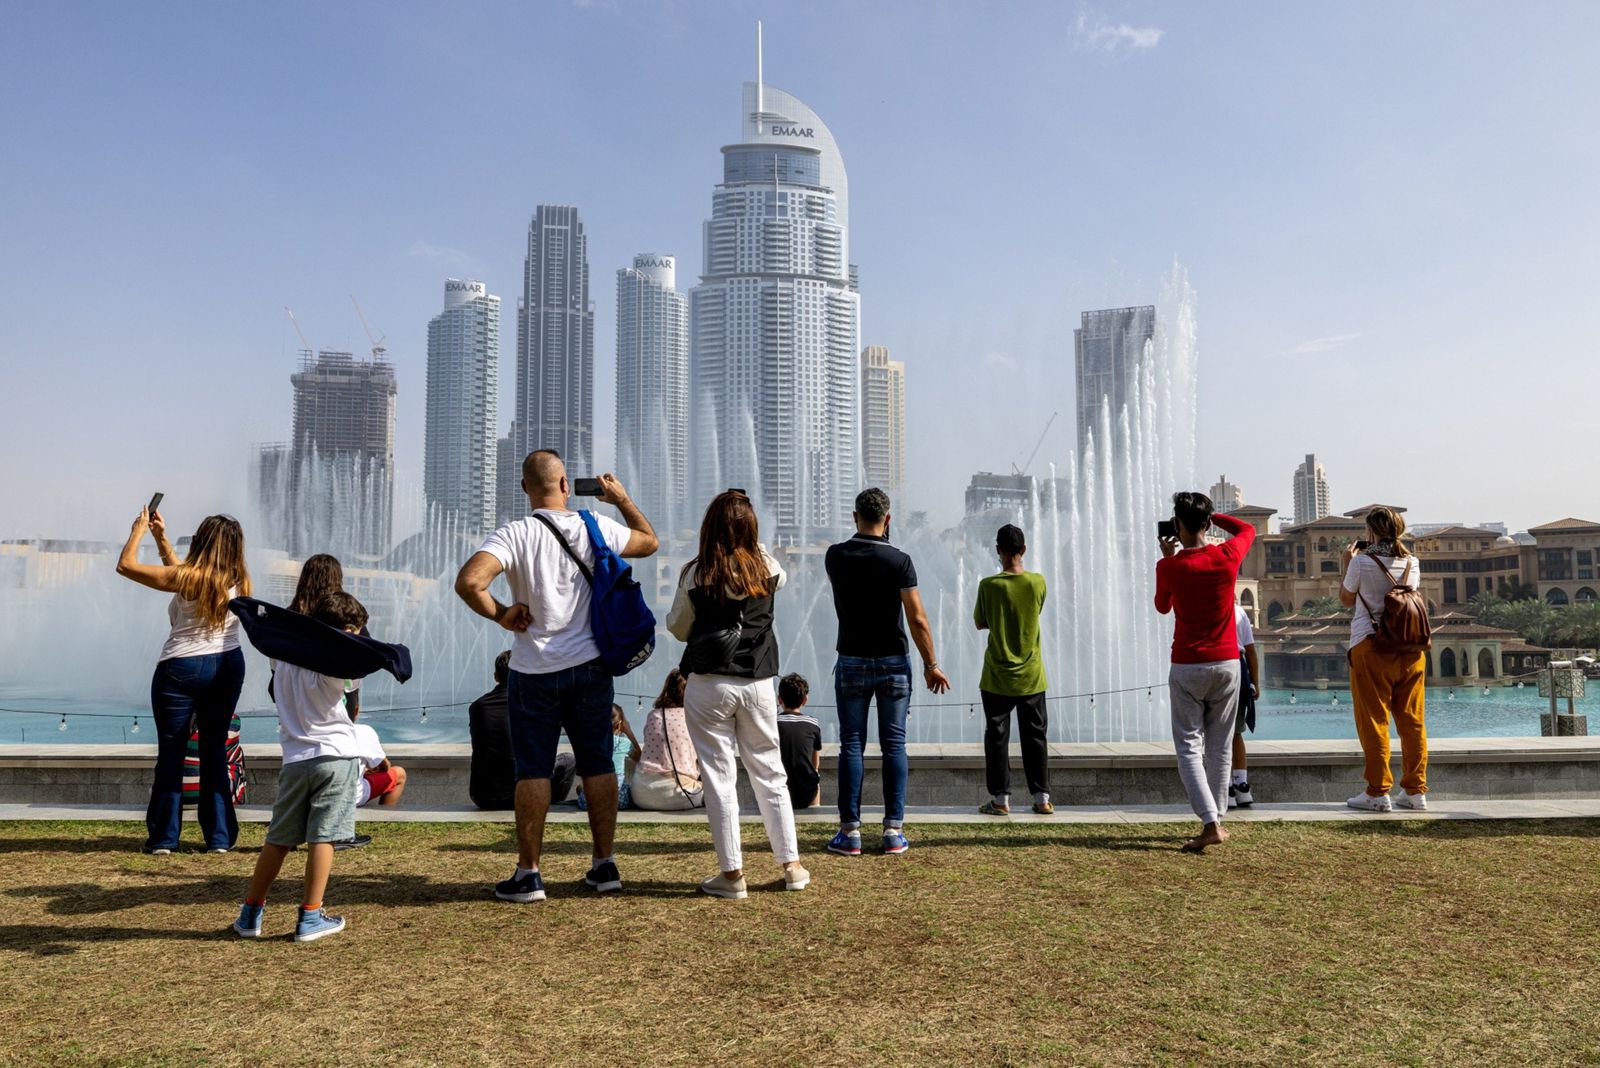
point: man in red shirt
(1194, 581)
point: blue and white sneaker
(528, 888)
(248, 925)
(894, 840)
(316, 924)
(846, 844)
(603, 878)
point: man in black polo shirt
(873, 584)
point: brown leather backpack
(1404, 626)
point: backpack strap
(552, 528)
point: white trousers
(722, 713)
(661, 793)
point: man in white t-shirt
(557, 681)
(1239, 795)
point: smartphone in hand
(155, 502)
(1166, 529)
(1363, 546)
(586, 487)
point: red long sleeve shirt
(1197, 585)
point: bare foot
(1211, 835)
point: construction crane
(377, 342)
(1036, 445)
(305, 345)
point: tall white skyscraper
(555, 344)
(460, 458)
(883, 423)
(1226, 496)
(653, 390)
(1106, 348)
(1310, 491)
(774, 326)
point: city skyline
(1331, 231)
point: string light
(136, 724)
(1486, 691)
(1335, 698)
(424, 718)
(1293, 699)
(63, 722)
(972, 711)
(1451, 696)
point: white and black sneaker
(523, 890)
(1241, 795)
(1233, 796)
(603, 878)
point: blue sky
(1388, 213)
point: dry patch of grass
(1400, 943)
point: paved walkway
(1573, 808)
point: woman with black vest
(723, 611)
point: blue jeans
(202, 690)
(856, 681)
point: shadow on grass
(43, 940)
(582, 847)
(100, 843)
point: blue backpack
(623, 626)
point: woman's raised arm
(157, 576)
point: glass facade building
(653, 391)
(460, 457)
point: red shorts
(381, 783)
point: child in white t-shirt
(317, 786)
(1239, 795)
(381, 780)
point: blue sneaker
(894, 840)
(316, 924)
(846, 844)
(528, 888)
(248, 925)
(603, 878)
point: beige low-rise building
(1567, 561)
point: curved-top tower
(774, 326)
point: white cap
(461, 290)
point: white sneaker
(1406, 799)
(796, 878)
(1367, 803)
(720, 885)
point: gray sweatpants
(1205, 700)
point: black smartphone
(155, 502)
(1363, 546)
(1166, 529)
(586, 487)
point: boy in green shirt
(1013, 676)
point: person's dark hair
(320, 575)
(1193, 510)
(502, 666)
(793, 689)
(872, 505)
(1388, 532)
(729, 563)
(340, 610)
(671, 695)
(1010, 540)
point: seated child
(624, 754)
(317, 787)
(799, 742)
(381, 779)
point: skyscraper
(336, 491)
(1106, 348)
(510, 502)
(555, 344)
(653, 390)
(774, 325)
(1310, 491)
(1225, 496)
(460, 458)
(883, 422)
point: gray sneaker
(720, 886)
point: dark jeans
(202, 690)
(1032, 725)
(856, 681)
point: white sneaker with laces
(1406, 799)
(1365, 802)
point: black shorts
(577, 700)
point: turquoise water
(1304, 714)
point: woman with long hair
(723, 611)
(1385, 684)
(667, 777)
(198, 675)
(320, 575)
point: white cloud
(453, 258)
(1319, 345)
(1095, 34)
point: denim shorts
(316, 802)
(577, 700)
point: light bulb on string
(424, 718)
(63, 722)
(135, 724)
(1451, 696)
(972, 711)
(1486, 691)
(1335, 698)
(1294, 700)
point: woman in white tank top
(198, 675)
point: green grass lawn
(1400, 943)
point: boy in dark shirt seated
(799, 742)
